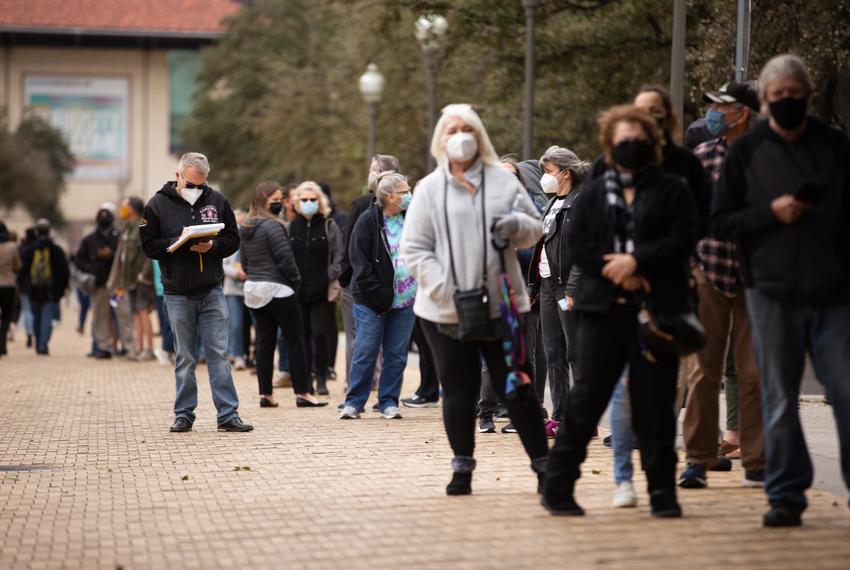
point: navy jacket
(373, 272)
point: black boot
(321, 386)
(664, 503)
(461, 483)
(557, 497)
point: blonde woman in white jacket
(457, 210)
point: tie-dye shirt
(405, 284)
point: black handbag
(472, 305)
(680, 333)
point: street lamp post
(429, 30)
(742, 46)
(528, 109)
(372, 88)
(677, 60)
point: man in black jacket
(192, 276)
(44, 277)
(95, 256)
(784, 194)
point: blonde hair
(468, 115)
(324, 203)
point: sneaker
(376, 407)
(349, 413)
(509, 428)
(417, 401)
(391, 413)
(721, 464)
(783, 514)
(486, 425)
(693, 477)
(625, 496)
(283, 380)
(606, 441)
(239, 363)
(753, 479)
(161, 357)
(664, 504)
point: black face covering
(634, 154)
(276, 208)
(103, 222)
(789, 113)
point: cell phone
(562, 304)
(812, 193)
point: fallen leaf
(595, 471)
(184, 478)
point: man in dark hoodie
(192, 277)
(44, 276)
(784, 195)
(95, 256)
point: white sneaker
(162, 357)
(283, 380)
(349, 413)
(239, 363)
(391, 413)
(624, 496)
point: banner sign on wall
(92, 114)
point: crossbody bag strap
(449, 231)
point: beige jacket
(10, 263)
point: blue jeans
(391, 330)
(42, 316)
(164, 325)
(201, 317)
(26, 310)
(85, 302)
(782, 334)
(236, 310)
(622, 434)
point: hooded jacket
(187, 272)
(358, 207)
(266, 253)
(59, 269)
(373, 277)
(805, 262)
(89, 260)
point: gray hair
(785, 65)
(386, 185)
(195, 160)
(565, 159)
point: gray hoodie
(425, 246)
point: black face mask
(635, 154)
(276, 208)
(104, 222)
(789, 113)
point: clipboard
(194, 232)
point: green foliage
(279, 98)
(34, 163)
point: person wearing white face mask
(192, 277)
(551, 271)
(458, 210)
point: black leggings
(7, 305)
(316, 317)
(607, 343)
(429, 386)
(459, 369)
(285, 314)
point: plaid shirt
(718, 258)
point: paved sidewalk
(112, 488)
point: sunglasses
(192, 185)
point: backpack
(41, 273)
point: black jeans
(429, 385)
(607, 343)
(315, 315)
(285, 314)
(555, 327)
(7, 305)
(459, 371)
(333, 339)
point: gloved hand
(506, 228)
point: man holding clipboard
(190, 228)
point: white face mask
(462, 147)
(191, 195)
(549, 183)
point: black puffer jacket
(373, 278)
(186, 272)
(266, 253)
(666, 227)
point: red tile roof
(123, 16)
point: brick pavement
(123, 492)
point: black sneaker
(102, 355)
(486, 425)
(181, 425)
(509, 428)
(721, 464)
(417, 401)
(606, 441)
(664, 504)
(235, 424)
(782, 514)
(693, 477)
(753, 479)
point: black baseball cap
(734, 92)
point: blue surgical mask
(309, 208)
(405, 201)
(716, 122)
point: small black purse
(472, 305)
(680, 333)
